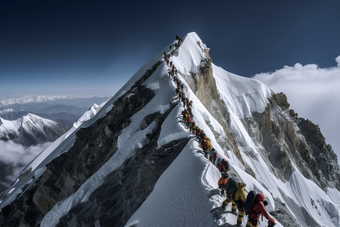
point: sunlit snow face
(313, 93)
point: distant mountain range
(42, 98)
(30, 130)
(64, 111)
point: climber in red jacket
(257, 210)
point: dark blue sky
(94, 47)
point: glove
(271, 222)
(265, 203)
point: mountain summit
(131, 161)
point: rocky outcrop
(203, 84)
(290, 140)
(326, 167)
(22, 211)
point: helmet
(218, 161)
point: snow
(189, 54)
(186, 193)
(184, 180)
(334, 195)
(171, 131)
(7, 125)
(242, 95)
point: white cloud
(15, 157)
(313, 93)
(338, 60)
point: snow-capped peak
(131, 161)
(30, 129)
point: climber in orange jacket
(222, 182)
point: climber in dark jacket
(203, 135)
(223, 166)
(257, 210)
(222, 182)
(230, 189)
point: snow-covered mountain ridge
(30, 130)
(130, 162)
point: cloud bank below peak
(14, 157)
(313, 93)
(42, 98)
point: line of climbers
(252, 204)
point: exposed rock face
(326, 159)
(204, 85)
(22, 211)
(291, 140)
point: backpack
(208, 144)
(231, 186)
(212, 153)
(226, 165)
(250, 201)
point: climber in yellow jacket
(240, 199)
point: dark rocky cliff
(289, 140)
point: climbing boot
(239, 223)
(224, 205)
(233, 211)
